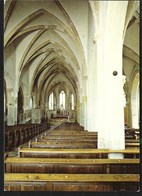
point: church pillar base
(115, 156)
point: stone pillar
(135, 102)
(38, 99)
(85, 112)
(129, 110)
(58, 99)
(11, 108)
(109, 91)
(85, 102)
(78, 110)
(81, 110)
(34, 100)
(81, 114)
(36, 116)
(67, 102)
(91, 91)
(54, 103)
(10, 115)
(26, 105)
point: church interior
(71, 95)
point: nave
(71, 95)
(66, 158)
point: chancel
(71, 95)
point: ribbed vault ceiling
(53, 47)
(48, 45)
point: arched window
(51, 101)
(62, 100)
(72, 102)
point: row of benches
(19, 134)
(37, 171)
(72, 139)
(46, 169)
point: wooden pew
(63, 153)
(9, 140)
(75, 153)
(71, 182)
(75, 145)
(73, 137)
(131, 132)
(52, 165)
(57, 139)
(70, 126)
(13, 136)
(65, 141)
(74, 142)
(63, 144)
(129, 137)
(54, 135)
(132, 145)
(75, 129)
(43, 138)
(132, 141)
(19, 134)
(75, 132)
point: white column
(26, 105)
(67, 103)
(34, 100)
(78, 110)
(91, 90)
(110, 109)
(81, 114)
(135, 102)
(58, 99)
(85, 112)
(85, 99)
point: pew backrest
(51, 165)
(63, 153)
